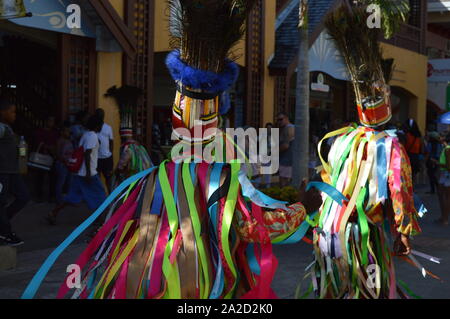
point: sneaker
(11, 240)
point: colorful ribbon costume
(187, 229)
(354, 238)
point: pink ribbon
(396, 163)
(129, 204)
(156, 274)
(120, 287)
(267, 261)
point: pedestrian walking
(64, 150)
(11, 183)
(106, 150)
(444, 182)
(45, 141)
(414, 146)
(79, 127)
(433, 151)
(287, 136)
(85, 185)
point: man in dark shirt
(11, 182)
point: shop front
(48, 68)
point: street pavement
(41, 239)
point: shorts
(445, 179)
(105, 166)
(92, 193)
(285, 171)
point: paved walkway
(41, 239)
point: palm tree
(301, 142)
(393, 13)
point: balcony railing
(409, 37)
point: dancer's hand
(310, 199)
(402, 245)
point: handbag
(39, 160)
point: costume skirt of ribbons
(188, 231)
(353, 240)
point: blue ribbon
(299, 234)
(252, 262)
(214, 184)
(332, 192)
(257, 197)
(382, 168)
(175, 184)
(35, 283)
(157, 200)
(192, 168)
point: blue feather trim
(225, 103)
(199, 79)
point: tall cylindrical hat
(361, 51)
(203, 33)
(127, 99)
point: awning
(324, 57)
(96, 15)
(439, 70)
(52, 15)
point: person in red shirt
(414, 146)
(46, 139)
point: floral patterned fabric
(405, 213)
(277, 222)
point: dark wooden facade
(412, 35)
(77, 75)
(138, 69)
(255, 65)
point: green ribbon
(227, 219)
(363, 225)
(408, 290)
(170, 270)
(196, 225)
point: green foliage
(393, 14)
(286, 194)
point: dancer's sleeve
(277, 222)
(401, 189)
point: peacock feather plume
(360, 48)
(205, 31)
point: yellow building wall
(109, 73)
(119, 6)
(162, 32)
(410, 73)
(161, 26)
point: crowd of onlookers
(71, 159)
(79, 162)
(430, 152)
